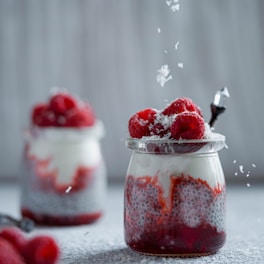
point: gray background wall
(109, 51)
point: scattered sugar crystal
(180, 65)
(163, 75)
(176, 46)
(236, 173)
(248, 184)
(234, 161)
(175, 7)
(68, 189)
(165, 51)
(168, 2)
(173, 4)
(253, 165)
(248, 174)
(158, 29)
(241, 168)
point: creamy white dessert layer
(67, 149)
(206, 167)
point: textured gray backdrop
(109, 51)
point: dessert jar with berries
(64, 175)
(174, 197)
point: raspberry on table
(9, 254)
(16, 248)
(41, 250)
(14, 236)
(139, 123)
(188, 125)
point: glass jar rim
(69, 133)
(170, 146)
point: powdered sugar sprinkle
(176, 46)
(173, 4)
(163, 75)
(68, 189)
(180, 65)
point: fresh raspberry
(15, 237)
(63, 110)
(8, 253)
(62, 102)
(181, 105)
(188, 125)
(41, 250)
(139, 123)
(42, 116)
(80, 117)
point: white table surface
(103, 242)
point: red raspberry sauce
(58, 220)
(47, 179)
(179, 224)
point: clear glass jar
(174, 197)
(64, 175)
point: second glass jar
(64, 176)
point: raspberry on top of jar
(63, 110)
(63, 141)
(181, 119)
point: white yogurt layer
(206, 167)
(66, 148)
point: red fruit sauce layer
(47, 179)
(44, 219)
(179, 224)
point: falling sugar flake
(68, 189)
(173, 4)
(248, 185)
(234, 161)
(158, 29)
(180, 65)
(163, 75)
(253, 165)
(236, 173)
(176, 46)
(165, 51)
(175, 7)
(241, 168)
